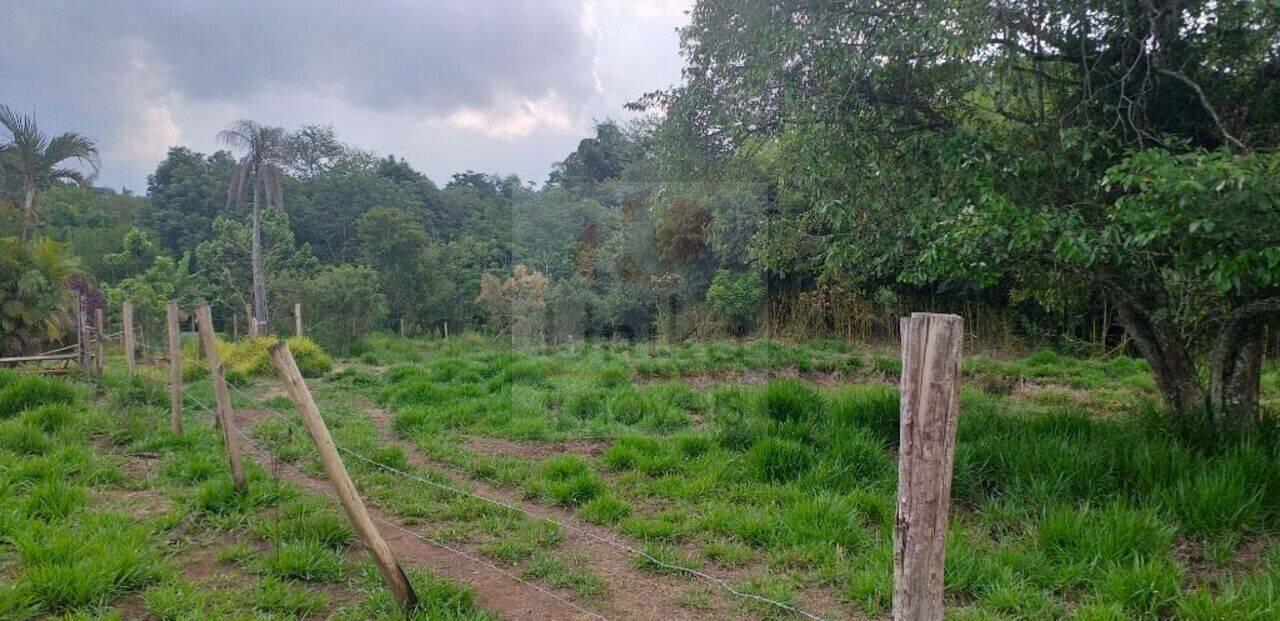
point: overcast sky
(504, 86)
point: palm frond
(71, 146)
(235, 189)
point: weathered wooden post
(297, 318)
(82, 337)
(99, 326)
(402, 327)
(333, 466)
(220, 395)
(175, 369)
(235, 327)
(126, 337)
(929, 411)
(446, 329)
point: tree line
(1089, 174)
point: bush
(22, 438)
(22, 392)
(251, 358)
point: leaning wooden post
(126, 337)
(297, 319)
(220, 394)
(356, 512)
(99, 326)
(175, 369)
(926, 451)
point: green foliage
(737, 299)
(347, 305)
(38, 307)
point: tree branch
(1204, 102)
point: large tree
(1058, 151)
(33, 161)
(259, 171)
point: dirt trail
(495, 592)
(633, 594)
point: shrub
(791, 401)
(251, 358)
(778, 460)
(23, 392)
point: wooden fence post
(402, 327)
(297, 318)
(926, 452)
(446, 329)
(356, 512)
(82, 337)
(175, 369)
(220, 394)
(126, 337)
(235, 327)
(99, 326)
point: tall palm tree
(260, 170)
(35, 161)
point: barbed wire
(631, 550)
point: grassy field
(600, 474)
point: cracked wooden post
(126, 336)
(99, 326)
(223, 398)
(175, 369)
(926, 452)
(297, 319)
(351, 503)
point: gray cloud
(141, 75)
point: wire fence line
(609, 541)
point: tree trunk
(1235, 379)
(1171, 361)
(28, 210)
(259, 289)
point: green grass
(1072, 496)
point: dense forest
(1095, 176)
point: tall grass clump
(20, 392)
(778, 460)
(567, 480)
(791, 401)
(250, 357)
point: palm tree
(259, 169)
(36, 161)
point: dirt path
(495, 592)
(632, 595)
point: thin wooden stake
(402, 327)
(235, 327)
(220, 394)
(333, 466)
(446, 330)
(926, 452)
(99, 326)
(126, 318)
(175, 369)
(297, 319)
